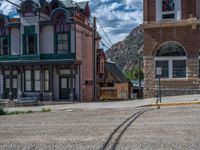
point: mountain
(125, 53)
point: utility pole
(94, 60)
(140, 78)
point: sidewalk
(100, 105)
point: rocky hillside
(125, 53)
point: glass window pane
(7, 83)
(65, 71)
(27, 75)
(62, 42)
(28, 85)
(15, 83)
(179, 68)
(37, 74)
(46, 74)
(164, 64)
(168, 5)
(63, 83)
(46, 86)
(30, 44)
(15, 72)
(7, 72)
(37, 85)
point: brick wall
(188, 9)
(189, 39)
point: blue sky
(118, 17)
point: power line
(104, 32)
(108, 44)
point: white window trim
(177, 12)
(170, 69)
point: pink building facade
(47, 52)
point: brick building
(172, 42)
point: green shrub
(46, 110)
(19, 112)
(2, 112)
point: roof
(67, 3)
(82, 5)
(115, 72)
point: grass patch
(46, 110)
(19, 112)
(3, 112)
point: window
(179, 68)
(28, 80)
(46, 81)
(171, 57)
(168, 9)
(36, 80)
(32, 80)
(29, 40)
(199, 64)
(62, 42)
(30, 44)
(102, 66)
(4, 48)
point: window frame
(25, 45)
(25, 89)
(29, 31)
(8, 46)
(168, 12)
(68, 42)
(48, 80)
(32, 80)
(170, 60)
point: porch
(53, 82)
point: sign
(158, 71)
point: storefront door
(64, 88)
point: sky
(117, 17)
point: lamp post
(140, 78)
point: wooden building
(47, 51)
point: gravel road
(103, 129)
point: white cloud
(118, 17)
(120, 20)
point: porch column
(3, 83)
(51, 83)
(71, 95)
(11, 85)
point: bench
(27, 100)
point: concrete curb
(174, 104)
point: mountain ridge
(126, 52)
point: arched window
(28, 8)
(60, 19)
(171, 58)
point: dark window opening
(4, 48)
(30, 44)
